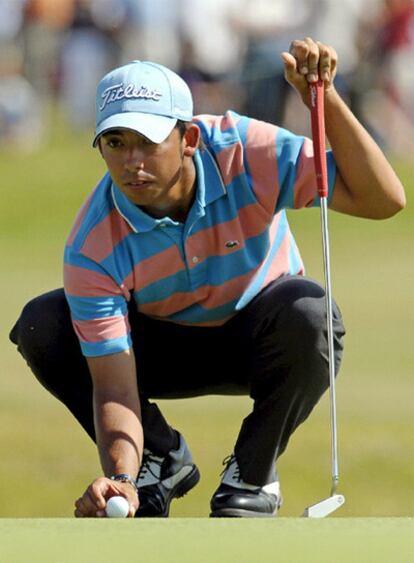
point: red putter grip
(318, 136)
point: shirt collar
(137, 219)
(210, 183)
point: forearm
(117, 414)
(119, 434)
(370, 186)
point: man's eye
(114, 143)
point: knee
(308, 323)
(306, 319)
(305, 327)
(39, 322)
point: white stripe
(119, 211)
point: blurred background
(52, 55)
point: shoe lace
(227, 462)
(148, 461)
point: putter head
(324, 507)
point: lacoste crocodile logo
(231, 243)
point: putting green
(189, 540)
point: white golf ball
(117, 507)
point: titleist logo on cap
(119, 92)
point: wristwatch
(125, 478)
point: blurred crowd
(54, 52)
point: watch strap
(125, 478)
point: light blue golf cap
(143, 96)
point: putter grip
(318, 136)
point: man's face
(149, 174)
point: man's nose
(134, 160)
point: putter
(327, 506)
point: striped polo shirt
(234, 242)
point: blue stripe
(254, 288)
(204, 315)
(74, 258)
(140, 221)
(99, 208)
(295, 263)
(161, 289)
(221, 270)
(239, 195)
(288, 147)
(119, 262)
(132, 250)
(242, 127)
(106, 347)
(89, 308)
(215, 136)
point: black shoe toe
(233, 502)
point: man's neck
(182, 197)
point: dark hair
(182, 128)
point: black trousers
(275, 350)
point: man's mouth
(136, 184)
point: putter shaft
(331, 358)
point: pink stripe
(262, 162)
(220, 122)
(102, 239)
(208, 297)
(86, 283)
(228, 291)
(305, 186)
(280, 262)
(230, 161)
(174, 303)
(79, 219)
(250, 222)
(98, 330)
(165, 263)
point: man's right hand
(93, 501)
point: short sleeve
(98, 306)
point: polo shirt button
(194, 259)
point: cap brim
(155, 127)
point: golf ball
(117, 507)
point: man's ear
(191, 139)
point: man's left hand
(93, 501)
(306, 62)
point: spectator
(44, 26)
(90, 48)
(210, 61)
(269, 26)
(386, 85)
(20, 118)
(152, 32)
(396, 41)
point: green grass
(377, 540)
(47, 460)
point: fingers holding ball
(117, 507)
